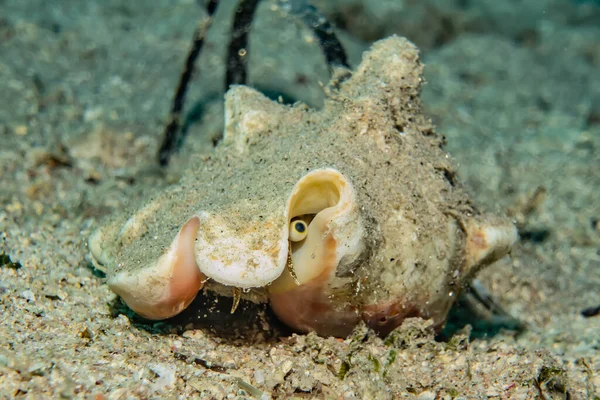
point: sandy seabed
(84, 92)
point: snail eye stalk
(298, 230)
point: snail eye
(298, 230)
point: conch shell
(351, 213)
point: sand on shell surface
(84, 92)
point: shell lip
(262, 271)
(166, 287)
(233, 259)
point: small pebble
(28, 295)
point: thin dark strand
(238, 46)
(332, 48)
(590, 312)
(212, 7)
(172, 130)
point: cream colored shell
(391, 233)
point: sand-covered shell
(333, 216)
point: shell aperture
(333, 235)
